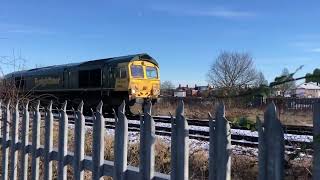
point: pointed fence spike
(35, 142)
(98, 144)
(80, 107)
(79, 137)
(261, 148)
(48, 142)
(147, 142)
(5, 137)
(147, 108)
(121, 144)
(14, 141)
(272, 140)
(64, 106)
(221, 161)
(63, 142)
(211, 147)
(26, 107)
(122, 107)
(17, 106)
(99, 107)
(271, 110)
(38, 105)
(24, 142)
(114, 113)
(50, 106)
(180, 144)
(9, 102)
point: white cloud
(221, 12)
(315, 50)
(22, 29)
(307, 46)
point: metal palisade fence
(271, 145)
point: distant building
(199, 91)
(308, 90)
(185, 91)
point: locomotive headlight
(155, 91)
(133, 91)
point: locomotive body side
(130, 78)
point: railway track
(288, 129)
(297, 137)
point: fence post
(316, 141)
(25, 143)
(272, 145)
(63, 142)
(120, 144)
(79, 137)
(14, 141)
(98, 143)
(180, 145)
(220, 141)
(35, 143)
(48, 143)
(174, 146)
(5, 137)
(1, 117)
(147, 141)
(262, 150)
(211, 146)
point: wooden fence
(271, 145)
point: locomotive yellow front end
(144, 80)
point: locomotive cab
(140, 79)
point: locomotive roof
(59, 68)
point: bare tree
(9, 88)
(261, 80)
(167, 85)
(232, 70)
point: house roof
(309, 85)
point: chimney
(195, 85)
(179, 86)
(187, 86)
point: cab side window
(121, 73)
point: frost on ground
(196, 145)
(244, 160)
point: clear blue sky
(184, 36)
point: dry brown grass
(243, 167)
(200, 111)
